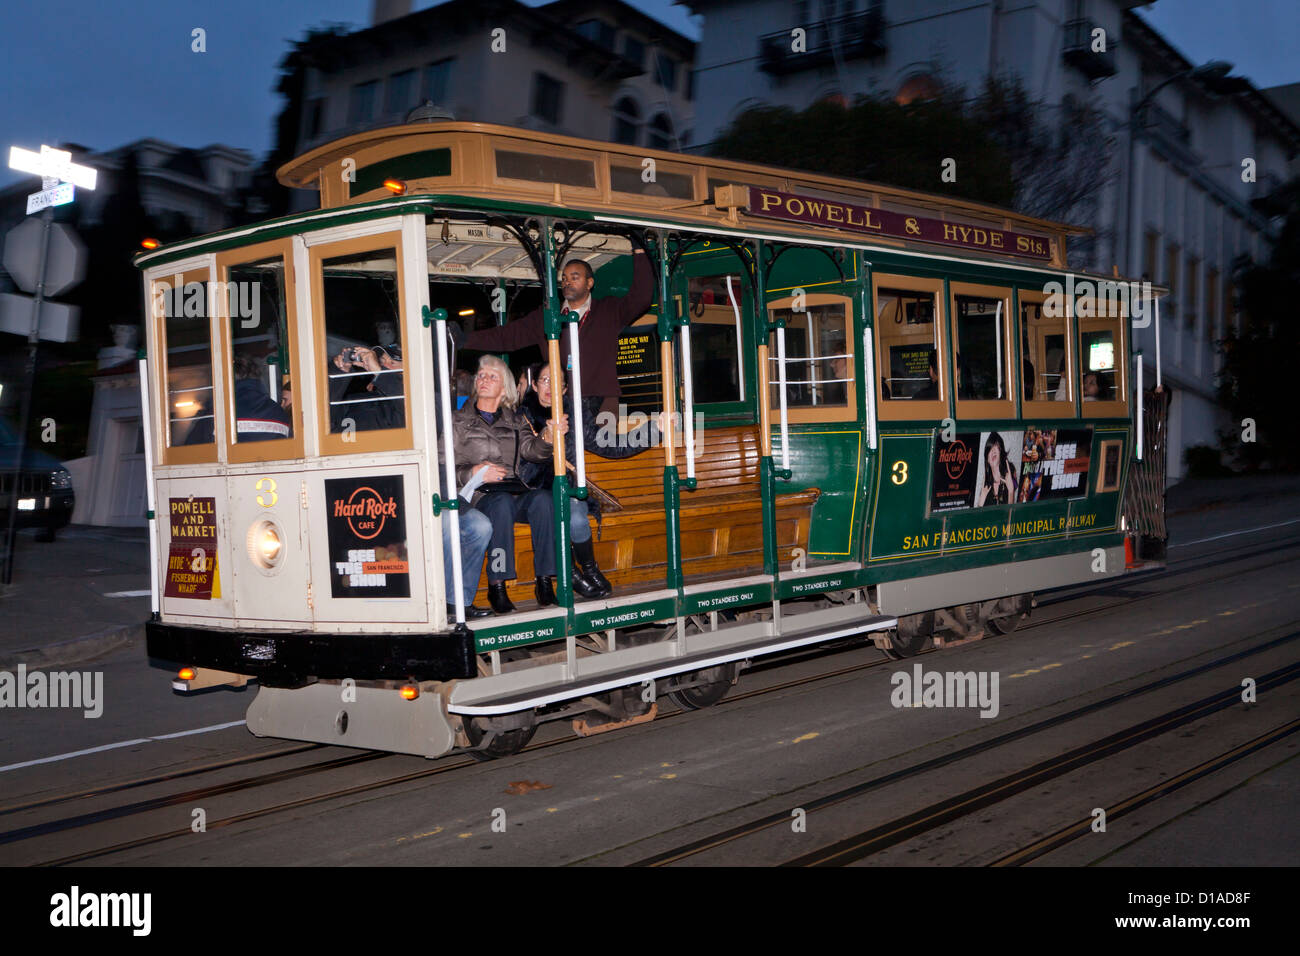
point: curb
(78, 650)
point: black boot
(498, 598)
(585, 555)
(472, 612)
(545, 591)
(584, 586)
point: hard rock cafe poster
(367, 537)
(979, 469)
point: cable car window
(182, 303)
(259, 351)
(818, 357)
(907, 353)
(363, 342)
(1102, 357)
(715, 312)
(1044, 348)
(980, 358)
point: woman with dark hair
(535, 405)
(1000, 477)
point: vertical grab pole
(1159, 383)
(672, 484)
(452, 504)
(551, 322)
(579, 451)
(997, 341)
(767, 472)
(147, 424)
(1140, 403)
(780, 385)
(688, 402)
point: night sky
(105, 73)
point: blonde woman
(493, 440)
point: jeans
(475, 532)
(504, 511)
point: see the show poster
(979, 469)
(367, 537)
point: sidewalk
(58, 609)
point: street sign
(63, 193)
(65, 262)
(56, 163)
(59, 322)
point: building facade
(599, 69)
(1180, 207)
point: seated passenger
(494, 441)
(368, 401)
(258, 417)
(536, 406)
(1091, 387)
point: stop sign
(65, 263)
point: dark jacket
(507, 442)
(368, 416)
(541, 475)
(258, 417)
(597, 335)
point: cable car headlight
(265, 544)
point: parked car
(45, 498)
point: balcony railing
(1078, 50)
(856, 36)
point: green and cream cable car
(897, 416)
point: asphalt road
(779, 772)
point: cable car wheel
(507, 741)
(1019, 606)
(913, 635)
(713, 686)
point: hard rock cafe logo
(955, 458)
(366, 511)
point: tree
(1008, 151)
(1257, 380)
(878, 141)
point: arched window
(660, 133)
(627, 122)
(922, 86)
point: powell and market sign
(771, 204)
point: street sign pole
(29, 383)
(56, 169)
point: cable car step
(553, 683)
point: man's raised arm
(510, 337)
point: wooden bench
(721, 520)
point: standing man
(599, 324)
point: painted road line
(1230, 534)
(123, 743)
(144, 593)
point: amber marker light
(150, 243)
(395, 186)
(409, 692)
(186, 673)
(465, 312)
